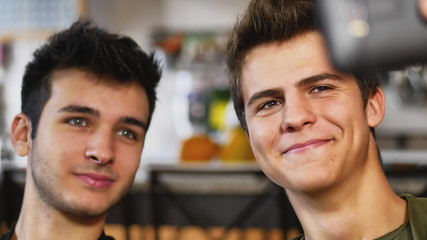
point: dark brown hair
(86, 47)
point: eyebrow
(301, 83)
(263, 94)
(315, 78)
(96, 113)
(134, 121)
(80, 109)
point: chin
(305, 181)
(313, 186)
(84, 211)
(87, 207)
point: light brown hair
(267, 21)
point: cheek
(60, 148)
(261, 139)
(343, 114)
(128, 160)
(68, 156)
(69, 145)
(266, 126)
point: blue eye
(78, 122)
(127, 133)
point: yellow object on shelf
(238, 148)
(217, 115)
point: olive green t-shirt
(415, 229)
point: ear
(21, 134)
(375, 108)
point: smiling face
(88, 143)
(307, 124)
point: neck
(55, 224)
(363, 207)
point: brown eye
(270, 104)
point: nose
(100, 148)
(297, 114)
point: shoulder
(419, 204)
(103, 237)
(300, 237)
(6, 236)
(9, 234)
(417, 210)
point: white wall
(137, 18)
(20, 53)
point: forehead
(277, 63)
(73, 86)
(74, 75)
(303, 52)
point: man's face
(306, 122)
(88, 143)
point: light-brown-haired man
(312, 128)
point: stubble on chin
(44, 177)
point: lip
(94, 180)
(301, 147)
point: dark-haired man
(312, 128)
(87, 100)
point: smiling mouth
(298, 148)
(95, 180)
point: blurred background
(197, 178)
